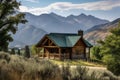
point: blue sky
(105, 9)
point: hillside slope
(27, 35)
(100, 31)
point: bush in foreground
(15, 67)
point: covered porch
(54, 52)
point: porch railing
(62, 55)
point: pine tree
(110, 49)
(19, 53)
(9, 20)
(27, 52)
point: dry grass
(77, 62)
(14, 67)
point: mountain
(86, 21)
(37, 26)
(100, 31)
(56, 23)
(16, 43)
(27, 35)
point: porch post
(88, 57)
(60, 53)
(37, 51)
(43, 53)
(70, 53)
(54, 55)
(48, 55)
(85, 54)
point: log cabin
(65, 46)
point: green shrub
(113, 63)
(95, 53)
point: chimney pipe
(80, 33)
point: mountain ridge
(37, 26)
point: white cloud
(36, 11)
(63, 6)
(23, 8)
(33, 0)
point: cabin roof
(66, 39)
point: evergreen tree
(95, 52)
(27, 52)
(19, 53)
(9, 20)
(110, 50)
(12, 51)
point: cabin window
(53, 50)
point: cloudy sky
(105, 9)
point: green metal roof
(87, 43)
(66, 40)
(72, 40)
